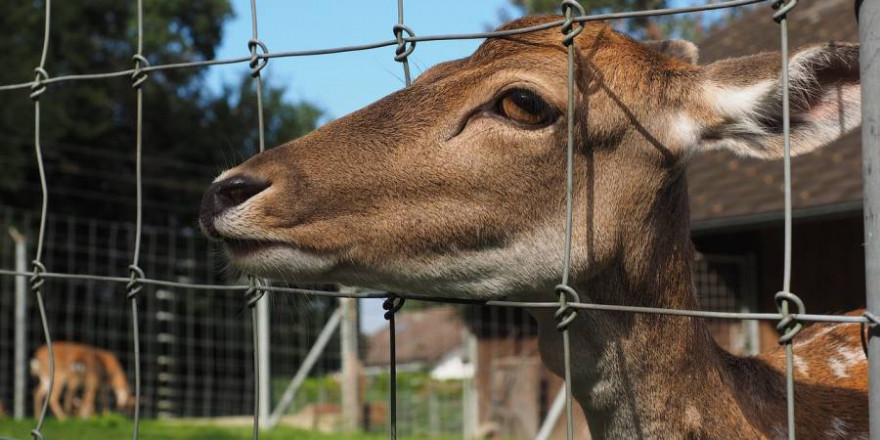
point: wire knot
(865, 327)
(391, 305)
(39, 86)
(254, 292)
(568, 9)
(134, 285)
(37, 279)
(139, 76)
(258, 61)
(782, 7)
(789, 326)
(565, 314)
(403, 49)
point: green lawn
(115, 427)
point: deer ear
(682, 50)
(744, 97)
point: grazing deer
(454, 187)
(79, 367)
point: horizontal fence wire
(405, 39)
(366, 294)
(380, 44)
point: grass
(118, 427)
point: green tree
(190, 130)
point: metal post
(311, 358)
(469, 406)
(869, 36)
(20, 324)
(351, 407)
(552, 416)
(263, 351)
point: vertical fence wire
(393, 304)
(565, 315)
(255, 292)
(37, 281)
(135, 272)
(403, 50)
(788, 325)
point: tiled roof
(430, 334)
(724, 186)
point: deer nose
(228, 193)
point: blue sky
(345, 82)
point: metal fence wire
(791, 311)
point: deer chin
(277, 260)
(527, 265)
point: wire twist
(569, 7)
(37, 279)
(39, 87)
(782, 8)
(864, 328)
(254, 292)
(258, 61)
(404, 47)
(138, 77)
(789, 325)
(391, 305)
(565, 314)
(134, 285)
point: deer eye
(525, 107)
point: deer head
(454, 186)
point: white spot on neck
(801, 366)
(844, 358)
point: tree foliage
(190, 131)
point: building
(434, 342)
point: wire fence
(195, 347)
(791, 311)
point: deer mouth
(275, 259)
(241, 248)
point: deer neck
(642, 375)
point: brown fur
(428, 190)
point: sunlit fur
(428, 191)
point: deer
(79, 367)
(453, 187)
